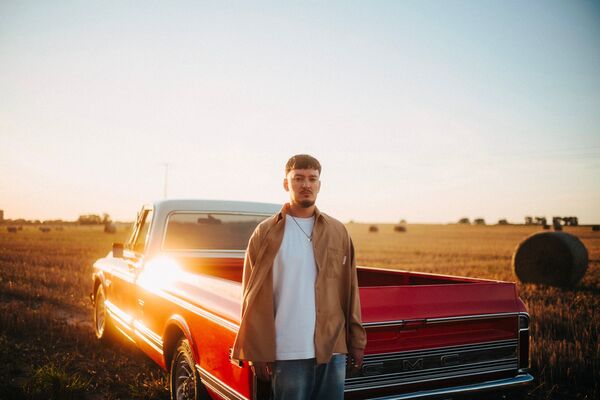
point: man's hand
(262, 370)
(356, 357)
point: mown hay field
(48, 350)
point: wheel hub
(185, 381)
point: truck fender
(175, 326)
(99, 279)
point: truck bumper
(518, 381)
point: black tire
(103, 327)
(184, 380)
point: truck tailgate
(437, 334)
(389, 303)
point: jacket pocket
(335, 261)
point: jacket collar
(285, 210)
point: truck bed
(387, 296)
(420, 327)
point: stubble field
(48, 349)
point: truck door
(125, 274)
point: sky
(428, 111)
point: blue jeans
(307, 380)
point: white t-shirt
(294, 276)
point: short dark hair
(302, 161)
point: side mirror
(117, 250)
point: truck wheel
(184, 378)
(102, 322)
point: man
(300, 306)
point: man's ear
(286, 185)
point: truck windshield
(209, 231)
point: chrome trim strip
(125, 334)
(156, 338)
(519, 337)
(129, 246)
(437, 320)
(199, 311)
(399, 322)
(398, 382)
(116, 314)
(148, 341)
(470, 317)
(121, 323)
(218, 386)
(526, 315)
(438, 373)
(509, 383)
(119, 315)
(148, 336)
(425, 352)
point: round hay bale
(11, 229)
(109, 227)
(373, 228)
(551, 258)
(44, 229)
(399, 228)
(595, 228)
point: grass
(51, 381)
(46, 337)
(46, 333)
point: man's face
(303, 185)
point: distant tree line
(467, 221)
(556, 221)
(85, 219)
(529, 220)
(22, 221)
(94, 219)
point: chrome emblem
(449, 360)
(372, 369)
(412, 365)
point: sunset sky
(424, 110)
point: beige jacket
(338, 324)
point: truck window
(142, 235)
(209, 231)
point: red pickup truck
(175, 290)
